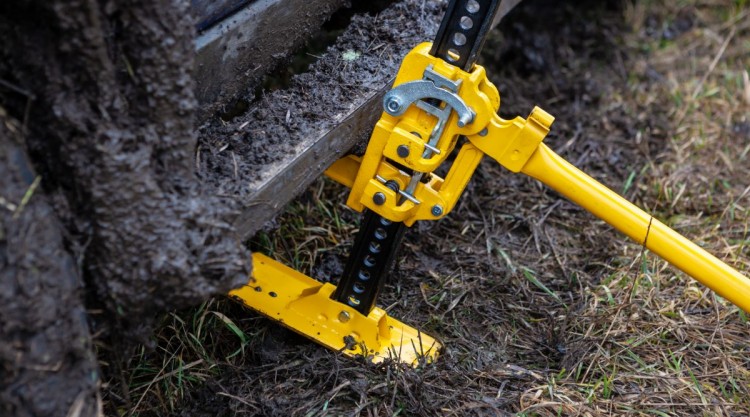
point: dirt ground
(544, 310)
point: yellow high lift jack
(439, 95)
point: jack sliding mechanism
(439, 95)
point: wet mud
(110, 133)
(235, 157)
(47, 365)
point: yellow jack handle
(554, 171)
(528, 155)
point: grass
(544, 310)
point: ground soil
(543, 309)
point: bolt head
(402, 151)
(437, 210)
(393, 105)
(344, 316)
(378, 198)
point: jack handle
(551, 169)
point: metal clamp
(400, 98)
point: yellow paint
(391, 132)
(304, 305)
(512, 142)
(549, 168)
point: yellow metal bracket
(511, 141)
(304, 305)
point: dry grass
(544, 310)
(659, 343)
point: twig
(77, 407)
(641, 257)
(160, 377)
(17, 89)
(30, 97)
(26, 197)
(234, 164)
(628, 301)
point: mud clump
(110, 133)
(46, 362)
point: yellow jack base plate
(304, 305)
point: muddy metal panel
(208, 12)
(262, 159)
(237, 51)
(266, 157)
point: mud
(111, 135)
(47, 366)
(235, 157)
(234, 55)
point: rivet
(402, 151)
(378, 198)
(437, 210)
(344, 316)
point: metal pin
(378, 198)
(432, 149)
(409, 197)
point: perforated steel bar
(369, 262)
(460, 38)
(463, 31)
